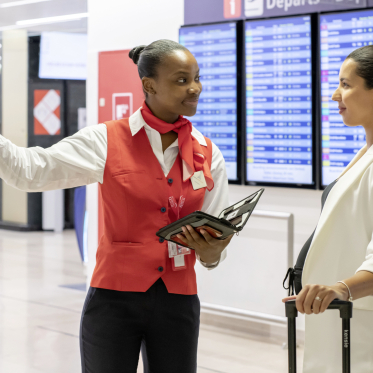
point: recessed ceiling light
(38, 21)
(22, 2)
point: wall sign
(47, 117)
(122, 105)
(232, 9)
(208, 11)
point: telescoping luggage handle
(345, 311)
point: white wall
(251, 278)
(14, 126)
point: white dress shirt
(80, 160)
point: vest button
(163, 209)
(170, 181)
(160, 269)
(161, 240)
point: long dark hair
(364, 58)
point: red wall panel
(119, 84)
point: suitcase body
(345, 311)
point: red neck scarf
(189, 147)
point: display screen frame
(239, 92)
(51, 37)
(322, 186)
(315, 73)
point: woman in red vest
(139, 296)
(147, 166)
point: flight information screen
(340, 34)
(215, 49)
(279, 101)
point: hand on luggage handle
(345, 308)
(345, 311)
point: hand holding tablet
(231, 220)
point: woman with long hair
(339, 263)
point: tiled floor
(39, 319)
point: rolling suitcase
(345, 311)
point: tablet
(231, 220)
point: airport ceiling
(44, 15)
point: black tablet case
(231, 220)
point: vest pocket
(126, 172)
(128, 244)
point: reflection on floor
(41, 298)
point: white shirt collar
(137, 122)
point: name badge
(198, 180)
(177, 250)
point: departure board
(279, 101)
(340, 34)
(215, 49)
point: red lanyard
(178, 261)
(177, 206)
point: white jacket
(342, 245)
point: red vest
(130, 257)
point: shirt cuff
(208, 265)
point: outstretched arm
(76, 160)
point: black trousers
(115, 325)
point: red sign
(232, 8)
(120, 94)
(47, 117)
(120, 89)
(122, 105)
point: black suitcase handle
(345, 312)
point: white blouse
(80, 160)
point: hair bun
(135, 53)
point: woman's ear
(148, 85)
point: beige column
(14, 104)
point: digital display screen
(215, 49)
(63, 56)
(279, 101)
(340, 34)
